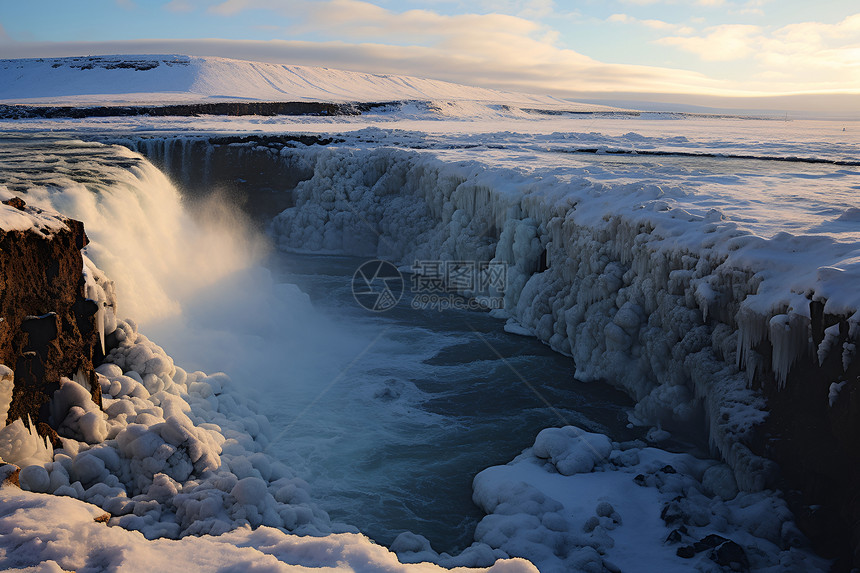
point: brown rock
(16, 202)
(47, 328)
(47, 431)
(9, 474)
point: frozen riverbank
(505, 199)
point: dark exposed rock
(16, 202)
(47, 329)
(672, 513)
(194, 109)
(9, 474)
(674, 536)
(731, 555)
(724, 552)
(47, 431)
(816, 445)
(709, 542)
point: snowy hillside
(172, 79)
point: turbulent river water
(434, 398)
(388, 415)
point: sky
(622, 49)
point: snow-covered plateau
(705, 266)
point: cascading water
(389, 417)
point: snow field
(171, 79)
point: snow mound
(172, 454)
(636, 505)
(51, 533)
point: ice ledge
(683, 309)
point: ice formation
(7, 383)
(667, 302)
(22, 446)
(54, 533)
(639, 284)
(173, 453)
(577, 502)
(170, 453)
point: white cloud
(559, 72)
(706, 3)
(509, 52)
(821, 56)
(752, 7)
(721, 44)
(179, 6)
(653, 24)
(363, 21)
(537, 9)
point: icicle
(21, 445)
(789, 335)
(100, 325)
(833, 394)
(849, 350)
(831, 337)
(81, 378)
(7, 383)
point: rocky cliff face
(47, 326)
(813, 433)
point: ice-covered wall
(696, 318)
(685, 311)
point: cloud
(559, 72)
(705, 3)
(536, 9)
(653, 24)
(505, 51)
(721, 44)
(482, 39)
(751, 7)
(358, 20)
(813, 51)
(178, 6)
